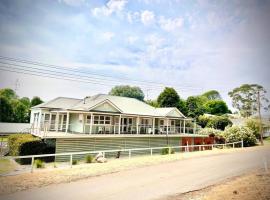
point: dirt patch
(254, 185)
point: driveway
(153, 182)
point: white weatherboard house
(105, 115)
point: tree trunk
(260, 117)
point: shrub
(237, 133)
(203, 120)
(74, 162)
(219, 122)
(210, 131)
(254, 125)
(167, 150)
(39, 164)
(89, 159)
(26, 144)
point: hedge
(26, 144)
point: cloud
(72, 2)
(132, 39)
(108, 35)
(113, 6)
(171, 24)
(147, 17)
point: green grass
(6, 166)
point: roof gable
(175, 113)
(105, 106)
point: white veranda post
(119, 128)
(184, 131)
(137, 125)
(153, 126)
(167, 129)
(67, 123)
(91, 123)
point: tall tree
(168, 98)
(6, 110)
(35, 101)
(216, 107)
(8, 93)
(212, 95)
(250, 99)
(127, 91)
(195, 106)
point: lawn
(6, 166)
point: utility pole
(260, 117)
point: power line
(87, 72)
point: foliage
(182, 106)
(89, 159)
(127, 91)
(219, 122)
(6, 110)
(16, 140)
(195, 106)
(210, 131)
(39, 163)
(13, 109)
(216, 107)
(75, 162)
(212, 95)
(237, 133)
(254, 125)
(203, 120)
(167, 150)
(35, 101)
(245, 98)
(153, 103)
(8, 93)
(168, 98)
(26, 144)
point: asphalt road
(153, 182)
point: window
(101, 119)
(172, 122)
(161, 122)
(88, 119)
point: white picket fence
(130, 151)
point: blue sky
(193, 46)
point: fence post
(187, 147)
(233, 145)
(129, 154)
(103, 154)
(70, 161)
(32, 164)
(151, 150)
(242, 142)
(212, 146)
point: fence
(130, 152)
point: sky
(191, 45)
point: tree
(195, 106)
(8, 93)
(212, 95)
(35, 101)
(254, 125)
(182, 106)
(21, 112)
(168, 98)
(245, 98)
(127, 91)
(219, 122)
(216, 107)
(249, 99)
(153, 103)
(6, 110)
(25, 101)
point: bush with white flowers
(237, 133)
